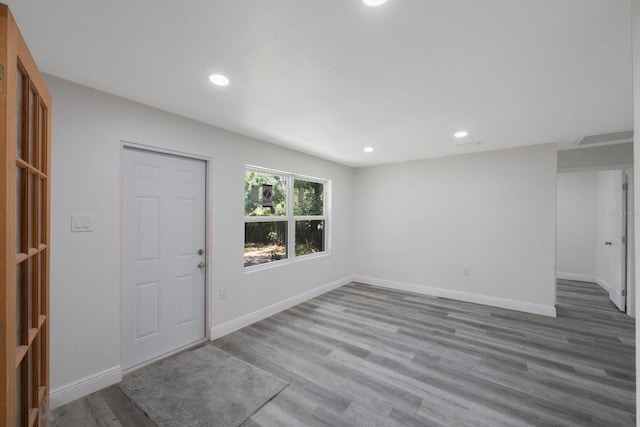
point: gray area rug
(204, 387)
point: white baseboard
(576, 277)
(76, 390)
(614, 294)
(603, 284)
(263, 313)
(526, 307)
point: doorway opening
(595, 232)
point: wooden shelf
(21, 351)
(24, 164)
(21, 257)
(33, 332)
(33, 416)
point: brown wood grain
(29, 352)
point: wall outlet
(466, 271)
(223, 293)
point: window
(308, 211)
(285, 216)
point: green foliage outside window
(253, 206)
(266, 239)
(308, 198)
(309, 237)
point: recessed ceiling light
(373, 2)
(368, 150)
(219, 79)
(460, 134)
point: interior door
(613, 203)
(630, 246)
(163, 255)
(25, 147)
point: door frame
(128, 144)
(628, 261)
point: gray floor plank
(368, 356)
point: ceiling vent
(468, 144)
(622, 136)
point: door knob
(201, 264)
(607, 243)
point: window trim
(291, 219)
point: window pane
(20, 210)
(27, 306)
(32, 231)
(30, 396)
(308, 198)
(39, 361)
(36, 289)
(20, 416)
(43, 139)
(32, 106)
(264, 242)
(19, 290)
(265, 195)
(43, 281)
(19, 113)
(40, 211)
(309, 237)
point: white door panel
(147, 229)
(611, 249)
(163, 230)
(147, 310)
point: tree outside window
(283, 211)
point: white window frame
(291, 219)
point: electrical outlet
(223, 293)
(466, 271)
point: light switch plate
(82, 223)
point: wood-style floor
(369, 356)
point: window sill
(279, 263)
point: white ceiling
(329, 77)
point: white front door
(163, 255)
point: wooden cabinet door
(25, 159)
